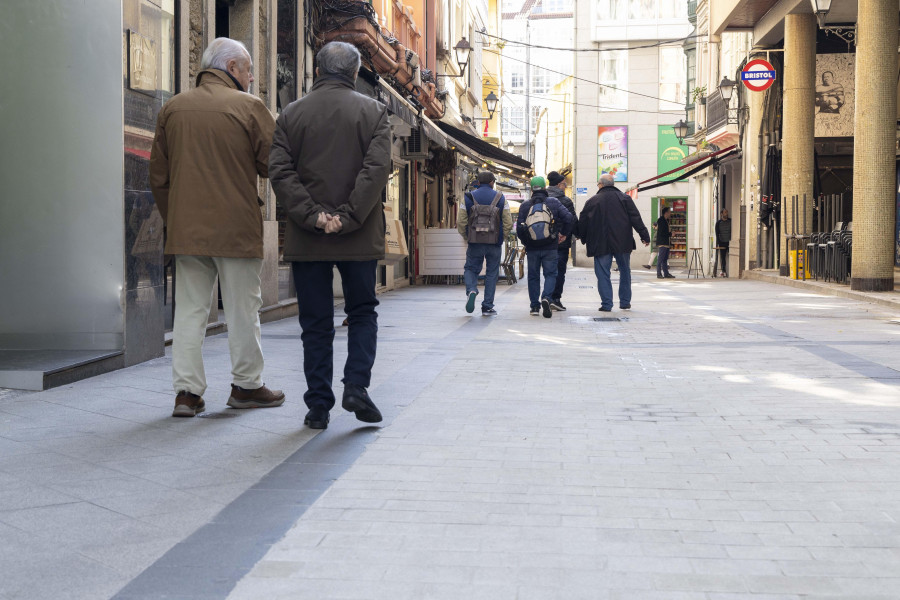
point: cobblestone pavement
(723, 439)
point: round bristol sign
(758, 75)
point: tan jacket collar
(216, 76)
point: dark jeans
(723, 257)
(561, 263)
(538, 259)
(602, 265)
(662, 261)
(315, 300)
(476, 255)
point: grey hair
(607, 180)
(338, 58)
(222, 50)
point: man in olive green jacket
(329, 164)
(211, 144)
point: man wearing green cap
(542, 225)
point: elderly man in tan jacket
(211, 144)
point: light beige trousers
(195, 277)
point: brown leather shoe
(188, 405)
(261, 397)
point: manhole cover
(610, 318)
(218, 415)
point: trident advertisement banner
(671, 152)
(612, 151)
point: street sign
(758, 75)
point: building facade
(81, 241)
(630, 78)
(820, 143)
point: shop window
(286, 64)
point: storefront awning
(690, 168)
(433, 133)
(483, 151)
(398, 105)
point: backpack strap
(496, 199)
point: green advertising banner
(671, 152)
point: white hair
(607, 180)
(222, 50)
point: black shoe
(669, 276)
(535, 311)
(488, 312)
(545, 305)
(470, 303)
(602, 309)
(625, 306)
(647, 267)
(557, 305)
(356, 400)
(317, 418)
(660, 277)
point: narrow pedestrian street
(723, 439)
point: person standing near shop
(557, 189)
(663, 242)
(211, 144)
(605, 226)
(330, 162)
(723, 239)
(484, 221)
(542, 224)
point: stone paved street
(723, 439)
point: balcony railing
(716, 112)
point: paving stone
(730, 440)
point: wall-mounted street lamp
(491, 103)
(822, 8)
(462, 49)
(681, 130)
(726, 89)
(510, 146)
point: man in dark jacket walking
(605, 226)
(542, 224)
(330, 161)
(557, 189)
(496, 223)
(723, 239)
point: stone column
(799, 121)
(874, 131)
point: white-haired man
(211, 144)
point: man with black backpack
(484, 222)
(542, 225)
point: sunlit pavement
(723, 439)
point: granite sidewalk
(723, 439)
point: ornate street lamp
(821, 8)
(491, 103)
(726, 89)
(681, 130)
(462, 50)
(510, 146)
